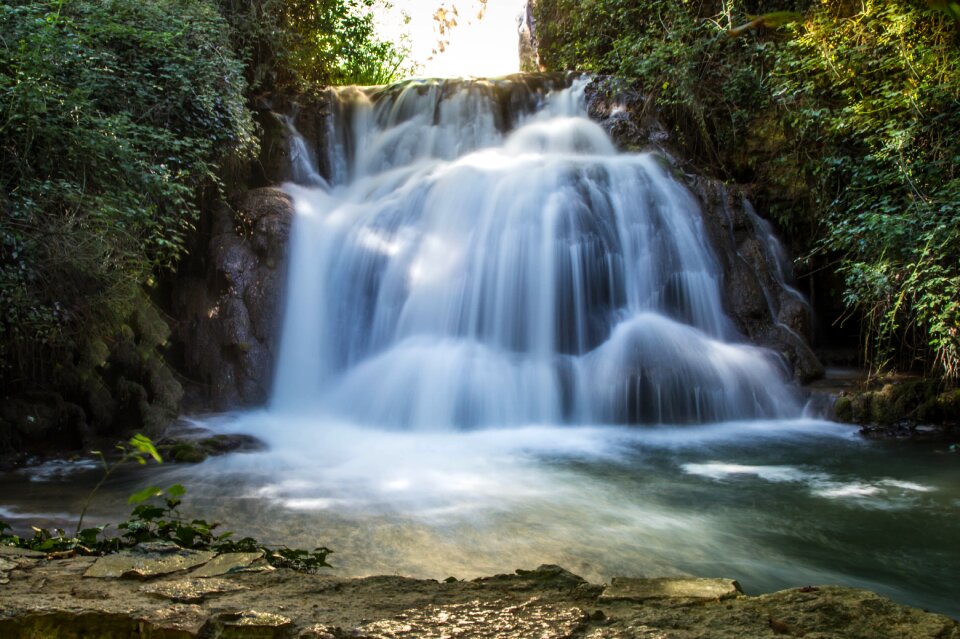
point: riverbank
(895, 406)
(239, 596)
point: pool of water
(773, 504)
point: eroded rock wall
(227, 318)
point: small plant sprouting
(155, 522)
(139, 448)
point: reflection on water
(773, 504)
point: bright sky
(484, 46)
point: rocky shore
(162, 591)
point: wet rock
(831, 611)
(191, 591)
(53, 600)
(898, 407)
(177, 620)
(626, 114)
(233, 562)
(148, 560)
(688, 589)
(756, 277)
(248, 624)
(191, 446)
(482, 620)
(227, 311)
(547, 576)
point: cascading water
(482, 297)
(485, 257)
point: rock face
(767, 310)
(52, 599)
(756, 275)
(527, 45)
(102, 391)
(228, 318)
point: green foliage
(113, 114)
(874, 90)
(301, 44)
(708, 85)
(163, 522)
(153, 521)
(138, 449)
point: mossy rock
(194, 451)
(149, 325)
(900, 406)
(185, 452)
(843, 409)
(944, 408)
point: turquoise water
(772, 504)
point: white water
(473, 300)
(489, 260)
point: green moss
(150, 327)
(843, 409)
(186, 452)
(943, 408)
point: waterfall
(485, 257)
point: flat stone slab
(52, 599)
(233, 562)
(481, 620)
(192, 591)
(146, 561)
(248, 624)
(13, 551)
(634, 589)
(15, 558)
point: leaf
(177, 490)
(145, 494)
(145, 445)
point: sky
(476, 46)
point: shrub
(114, 114)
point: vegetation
(300, 44)
(121, 122)
(152, 522)
(115, 114)
(843, 116)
